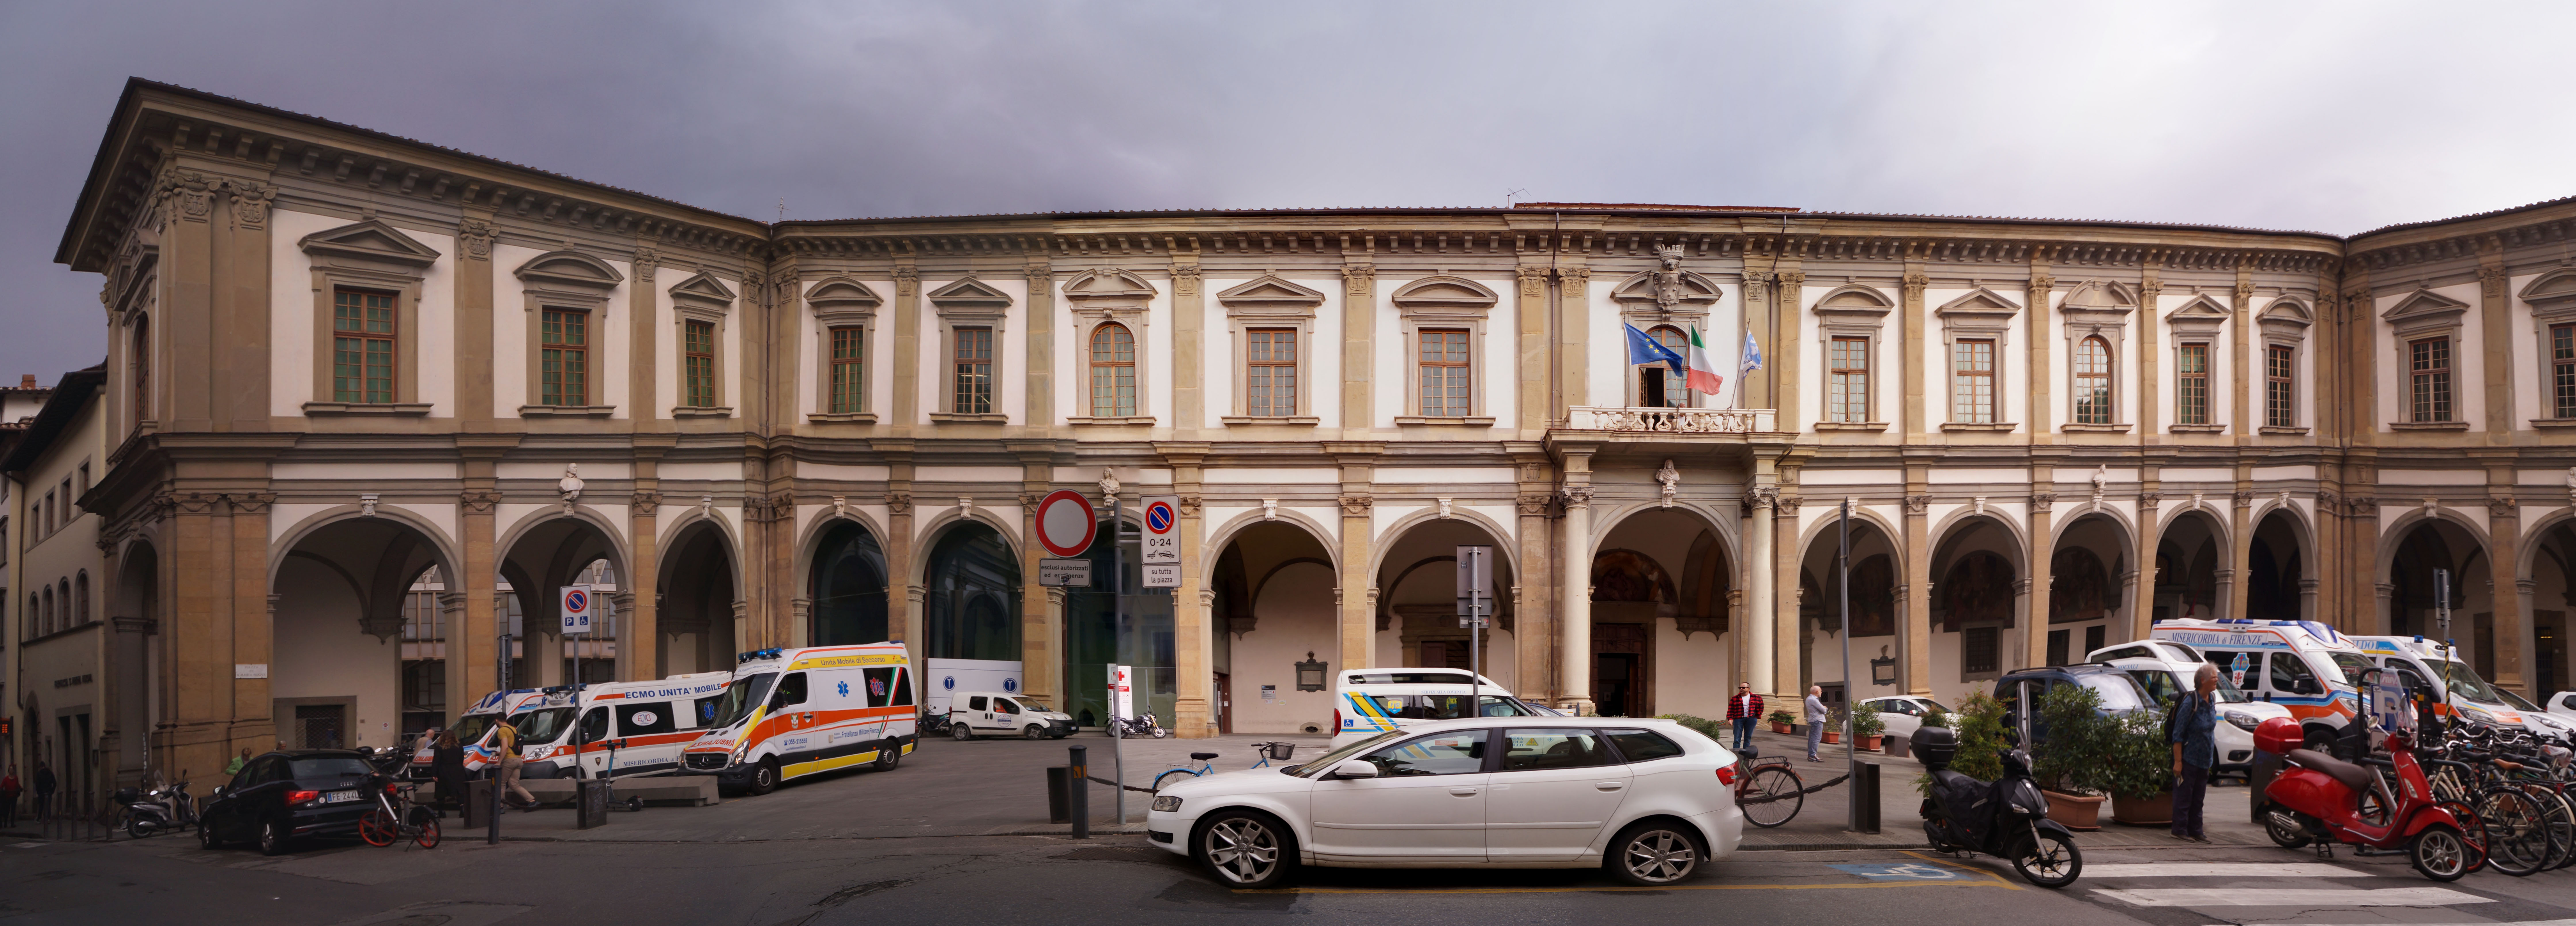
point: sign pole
(1118, 625)
(1851, 709)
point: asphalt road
(931, 842)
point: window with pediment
(2552, 298)
(566, 295)
(2284, 323)
(1852, 319)
(1112, 312)
(701, 306)
(1442, 318)
(2196, 328)
(1271, 326)
(2095, 318)
(1666, 303)
(973, 316)
(1977, 329)
(2425, 327)
(366, 313)
(845, 316)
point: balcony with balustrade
(1606, 427)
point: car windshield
(329, 767)
(740, 698)
(2351, 665)
(1930, 705)
(2465, 683)
(471, 727)
(2166, 685)
(2118, 692)
(2516, 702)
(543, 725)
(1317, 765)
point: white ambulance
(795, 712)
(1372, 701)
(2301, 665)
(650, 722)
(2457, 689)
(474, 731)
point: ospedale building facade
(372, 400)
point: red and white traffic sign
(1161, 565)
(1066, 523)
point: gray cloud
(2329, 117)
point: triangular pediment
(2099, 296)
(1695, 290)
(1271, 292)
(1979, 301)
(1108, 284)
(2556, 286)
(703, 286)
(2201, 308)
(371, 240)
(970, 293)
(1444, 292)
(840, 292)
(2421, 304)
(572, 268)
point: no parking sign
(576, 609)
(1162, 541)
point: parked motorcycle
(2319, 798)
(2006, 818)
(933, 725)
(162, 808)
(1142, 725)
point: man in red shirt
(1742, 710)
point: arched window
(142, 362)
(70, 619)
(1658, 386)
(45, 623)
(80, 599)
(849, 587)
(1113, 372)
(2093, 381)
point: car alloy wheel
(1656, 854)
(1246, 850)
(272, 837)
(959, 732)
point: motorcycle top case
(1934, 746)
(2279, 735)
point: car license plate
(336, 797)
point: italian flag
(1703, 374)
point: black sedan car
(287, 795)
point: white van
(2301, 665)
(2457, 689)
(795, 712)
(2165, 681)
(650, 721)
(992, 713)
(474, 731)
(1373, 701)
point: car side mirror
(1354, 768)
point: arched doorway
(2186, 571)
(2553, 594)
(847, 586)
(697, 616)
(2088, 582)
(543, 558)
(354, 645)
(1662, 583)
(1417, 603)
(1976, 607)
(2412, 606)
(1272, 608)
(2278, 588)
(1874, 576)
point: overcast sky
(2334, 117)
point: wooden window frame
(583, 350)
(1965, 408)
(2562, 370)
(2432, 380)
(957, 363)
(1442, 302)
(703, 299)
(2184, 380)
(367, 256)
(2105, 380)
(697, 364)
(840, 303)
(366, 337)
(2280, 386)
(1261, 353)
(970, 303)
(1839, 385)
(1272, 303)
(1113, 368)
(1465, 365)
(1667, 381)
(2284, 324)
(572, 281)
(855, 379)
(1979, 315)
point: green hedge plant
(1712, 729)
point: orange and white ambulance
(474, 731)
(650, 722)
(795, 712)
(2305, 666)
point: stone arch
(1608, 517)
(620, 553)
(1958, 523)
(811, 535)
(1506, 546)
(690, 517)
(1234, 527)
(2395, 532)
(699, 610)
(935, 529)
(444, 547)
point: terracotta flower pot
(1780, 728)
(1870, 743)
(1833, 736)
(2143, 811)
(2079, 812)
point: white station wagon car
(1649, 800)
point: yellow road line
(1993, 880)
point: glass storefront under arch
(848, 588)
(971, 596)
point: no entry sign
(1066, 523)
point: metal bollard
(1078, 794)
(1864, 796)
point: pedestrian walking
(508, 742)
(44, 791)
(447, 764)
(1742, 710)
(2193, 725)
(9, 790)
(1815, 720)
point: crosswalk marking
(2225, 870)
(2291, 897)
(2523, 923)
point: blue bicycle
(1269, 751)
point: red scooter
(2319, 798)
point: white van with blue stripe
(1368, 702)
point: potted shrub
(1781, 722)
(1834, 725)
(2072, 760)
(2141, 774)
(1980, 728)
(1868, 729)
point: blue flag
(1752, 353)
(1643, 348)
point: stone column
(1574, 323)
(1359, 327)
(2042, 414)
(643, 353)
(903, 576)
(1040, 273)
(474, 345)
(2150, 385)
(242, 300)
(1788, 633)
(2504, 554)
(906, 410)
(1912, 362)
(1194, 642)
(1917, 665)
(1786, 355)
(2495, 318)
(1189, 324)
(1357, 596)
(1040, 617)
(639, 631)
(1531, 397)
(2236, 581)
(1534, 673)
(474, 654)
(2246, 375)
(2042, 547)
(1755, 391)
(2142, 609)
(1574, 621)
(1759, 623)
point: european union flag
(1643, 348)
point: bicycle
(396, 818)
(1768, 790)
(1269, 751)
